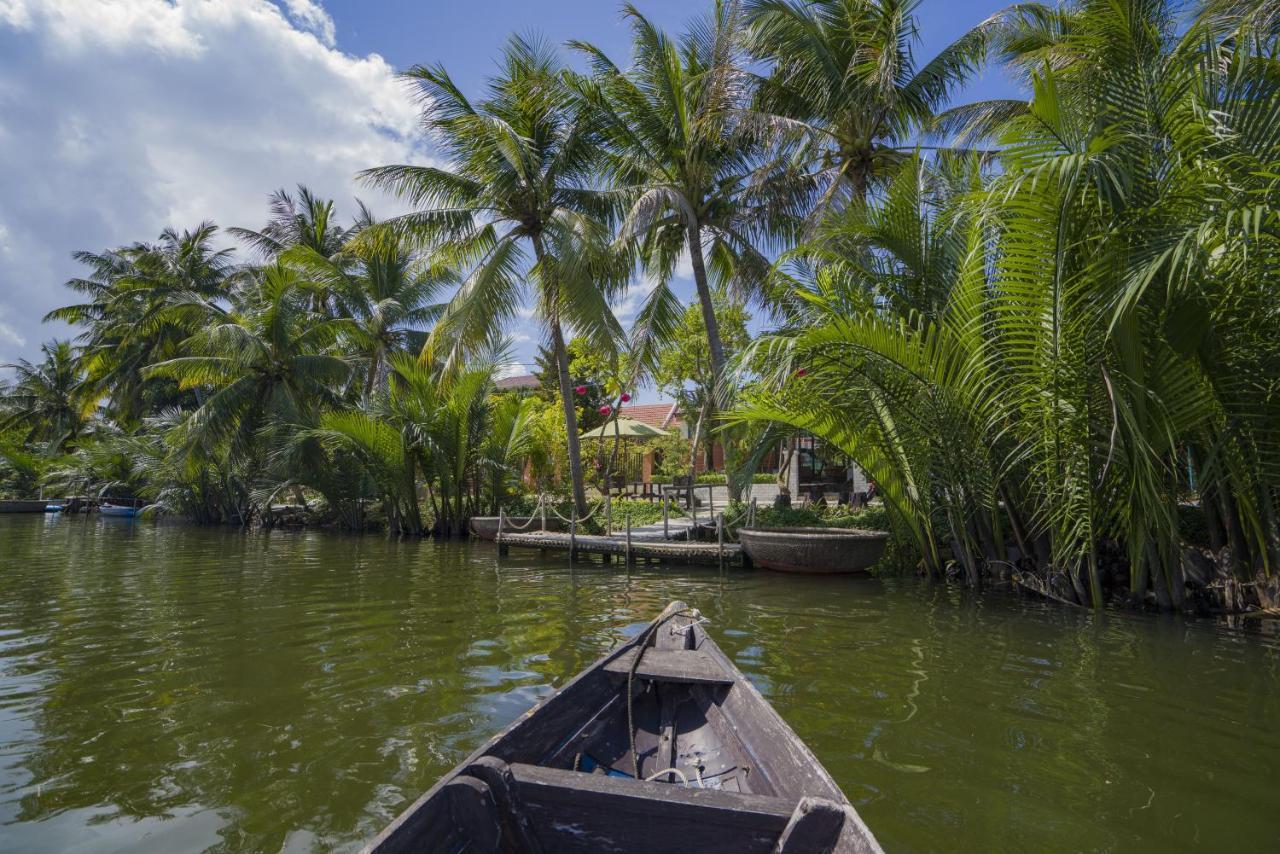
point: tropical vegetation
(1045, 326)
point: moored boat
(819, 551)
(486, 527)
(661, 745)
(23, 505)
(108, 509)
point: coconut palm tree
(383, 286)
(306, 221)
(46, 398)
(129, 318)
(678, 145)
(516, 202)
(845, 86)
(268, 361)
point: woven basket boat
(813, 550)
(486, 527)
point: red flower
(802, 372)
(580, 390)
(606, 409)
(625, 397)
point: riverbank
(185, 687)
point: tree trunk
(704, 299)
(372, 376)
(570, 418)
(566, 391)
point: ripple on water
(182, 688)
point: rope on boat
(672, 770)
(631, 675)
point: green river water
(169, 688)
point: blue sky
(119, 119)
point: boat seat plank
(672, 665)
(575, 812)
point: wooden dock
(619, 546)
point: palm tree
(678, 143)
(383, 286)
(1099, 347)
(269, 361)
(518, 181)
(46, 398)
(306, 221)
(130, 315)
(845, 86)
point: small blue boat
(118, 510)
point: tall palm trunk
(566, 390)
(704, 299)
(570, 417)
(714, 342)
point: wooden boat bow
(662, 744)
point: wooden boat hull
(814, 551)
(570, 774)
(23, 505)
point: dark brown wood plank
(474, 813)
(672, 665)
(590, 813)
(814, 828)
(518, 836)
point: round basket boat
(814, 550)
(486, 527)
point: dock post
(608, 515)
(542, 504)
(573, 535)
(628, 518)
(666, 514)
(502, 547)
(720, 539)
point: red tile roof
(522, 381)
(660, 415)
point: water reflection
(187, 689)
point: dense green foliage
(1046, 327)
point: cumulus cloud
(310, 16)
(120, 118)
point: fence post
(666, 514)
(502, 547)
(573, 535)
(608, 515)
(628, 518)
(720, 538)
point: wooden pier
(628, 548)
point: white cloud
(311, 17)
(684, 267)
(9, 335)
(120, 118)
